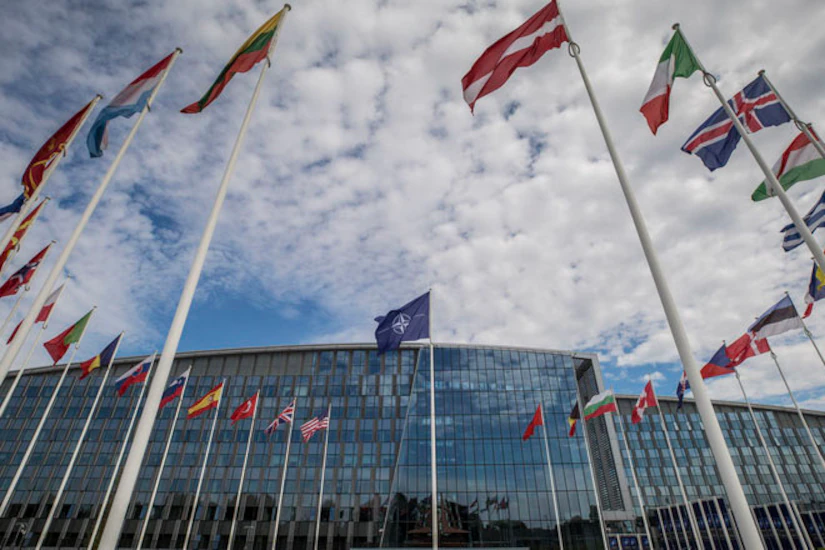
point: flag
(44, 314)
(599, 404)
(646, 399)
(22, 229)
(816, 290)
(10, 210)
(255, 49)
(246, 410)
(745, 347)
(131, 100)
(573, 419)
(409, 322)
(814, 219)
(681, 388)
(780, 318)
(48, 153)
(208, 401)
(800, 162)
(22, 276)
(491, 502)
(309, 427)
(756, 106)
(718, 365)
(521, 48)
(102, 359)
(174, 390)
(286, 417)
(504, 504)
(135, 375)
(528, 433)
(58, 345)
(676, 60)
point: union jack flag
(309, 428)
(286, 417)
(756, 106)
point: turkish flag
(246, 410)
(528, 433)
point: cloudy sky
(365, 180)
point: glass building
(494, 489)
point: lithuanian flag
(255, 49)
(208, 401)
(58, 345)
(104, 358)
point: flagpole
(807, 333)
(77, 447)
(131, 470)
(739, 503)
(552, 478)
(771, 463)
(283, 478)
(433, 464)
(162, 461)
(57, 269)
(5, 262)
(122, 452)
(803, 126)
(323, 472)
(13, 309)
(13, 484)
(243, 474)
(639, 495)
(200, 478)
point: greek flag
(813, 219)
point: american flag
(285, 417)
(309, 428)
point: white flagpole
(57, 269)
(813, 343)
(120, 503)
(639, 495)
(323, 473)
(803, 126)
(51, 510)
(283, 478)
(200, 478)
(552, 478)
(163, 461)
(123, 446)
(20, 296)
(13, 485)
(243, 473)
(724, 462)
(22, 238)
(433, 464)
(771, 464)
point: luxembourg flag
(135, 375)
(128, 102)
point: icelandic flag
(814, 219)
(135, 375)
(174, 390)
(756, 107)
(718, 365)
(10, 210)
(683, 386)
(131, 100)
(409, 322)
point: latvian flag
(600, 404)
(135, 375)
(521, 48)
(286, 417)
(174, 390)
(782, 317)
(309, 428)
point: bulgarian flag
(255, 49)
(800, 161)
(58, 345)
(600, 404)
(676, 60)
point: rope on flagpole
(804, 127)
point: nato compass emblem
(400, 323)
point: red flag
(646, 399)
(745, 347)
(22, 276)
(528, 433)
(246, 410)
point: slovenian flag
(135, 375)
(128, 102)
(174, 390)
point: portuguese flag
(600, 404)
(255, 49)
(58, 345)
(800, 161)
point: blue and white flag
(409, 322)
(683, 386)
(814, 219)
(10, 210)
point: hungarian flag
(255, 49)
(17, 238)
(44, 314)
(676, 60)
(22, 276)
(719, 364)
(102, 359)
(599, 404)
(58, 345)
(48, 153)
(528, 433)
(205, 403)
(521, 48)
(246, 410)
(780, 318)
(800, 162)
(646, 399)
(745, 347)
(573, 419)
(816, 290)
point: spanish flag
(208, 401)
(102, 359)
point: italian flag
(800, 161)
(600, 404)
(255, 49)
(676, 60)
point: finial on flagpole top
(179, 49)
(287, 7)
(99, 96)
(675, 26)
(761, 72)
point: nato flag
(409, 322)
